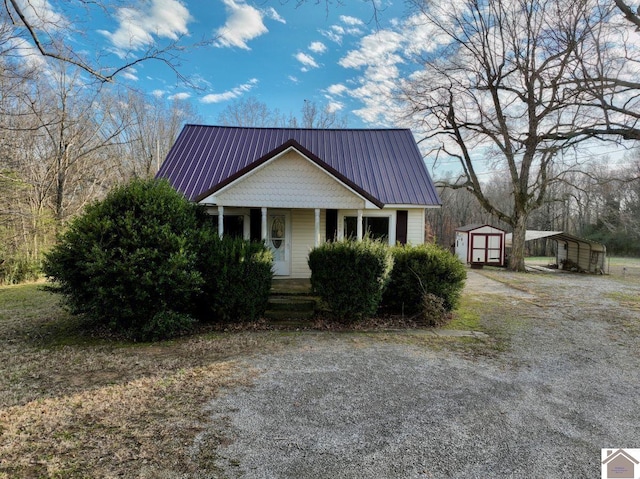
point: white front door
(279, 241)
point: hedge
(237, 278)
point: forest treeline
(600, 202)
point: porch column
(392, 228)
(264, 224)
(317, 230)
(220, 220)
(359, 231)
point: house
(620, 464)
(295, 188)
(480, 244)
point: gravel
(354, 406)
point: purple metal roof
(384, 165)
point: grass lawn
(72, 405)
(617, 267)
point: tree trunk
(516, 260)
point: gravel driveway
(394, 406)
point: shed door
(478, 248)
(486, 248)
(494, 249)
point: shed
(573, 253)
(480, 244)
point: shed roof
(476, 226)
(384, 164)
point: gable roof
(475, 226)
(383, 165)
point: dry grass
(616, 267)
(75, 406)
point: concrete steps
(291, 307)
(291, 303)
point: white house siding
(415, 226)
(303, 240)
(289, 181)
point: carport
(572, 253)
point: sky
(275, 51)
(279, 52)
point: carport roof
(555, 235)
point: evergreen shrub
(419, 270)
(237, 277)
(130, 259)
(350, 276)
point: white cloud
(306, 60)
(273, 15)
(138, 26)
(158, 93)
(334, 106)
(41, 15)
(318, 47)
(335, 33)
(337, 89)
(375, 49)
(293, 79)
(130, 76)
(350, 26)
(378, 55)
(353, 21)
(244, 23)
(179, 96)
(230, 94)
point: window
(233, 225)
(376, 227)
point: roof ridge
(237, 127)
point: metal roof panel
(385, 163)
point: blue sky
(275, 51)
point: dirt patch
(479, 284)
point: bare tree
(45, 27)
(153, 124)
(502, 90)
(252, 112)
(315, 117)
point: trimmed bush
(423, 269)
(350, 276)
(130, 259)
(237, 277)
